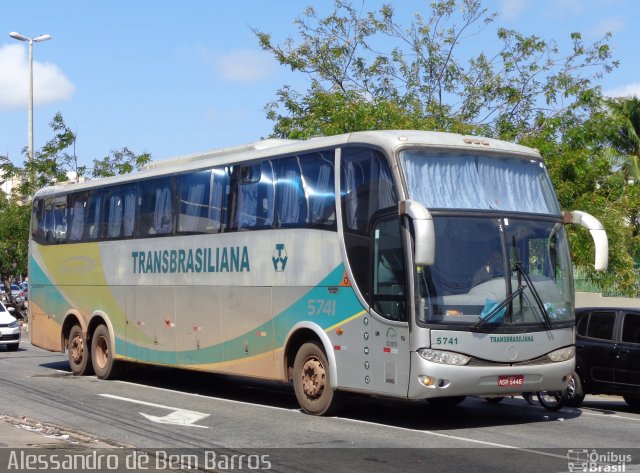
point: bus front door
(388, 314)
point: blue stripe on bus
(276, 329)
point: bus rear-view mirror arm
(598, 234)
(424, 232)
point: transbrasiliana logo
(279, 257)
(592, 461)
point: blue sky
(173, 78)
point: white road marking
(179, 416)
(424, 432)
(202, 396)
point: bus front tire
(78, 353)
(103, 354)
(311, 383)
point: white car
(9, 329)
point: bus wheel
(78, 353)
(311, 381)
(102, 354)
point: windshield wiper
(487, 318)
(536, 295)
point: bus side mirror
(598, 234)
(424, 232)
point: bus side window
(366, 186)
(92, 216)
(254, 187)
(118, 214)
(38, 232)
(155, 208)
(77, 207)
(55, 219)
(202, 201)
(219, 200)
(318, 181)
(291, 202)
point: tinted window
(155, 209)
(601, 325)
(55, 219)
(119, 209)
(37, 221)
(366, 186)
(581, 327)
(77, 208)
(255, 194)
(305, 191)
(631, 328)
(388, 270)
(203, 201)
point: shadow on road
(416, 415)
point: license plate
(512, 380)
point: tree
(13, 239)
(367, 71)
(53, 163)
(626, 112)
(118, 162)
(369, 59)
(585, 170)
(626, 139)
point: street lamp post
(37, 39)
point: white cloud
(607, 25)
(243, 65)
(624, 90)
(511, 9)
(49, 82)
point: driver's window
(388, 293)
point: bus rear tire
(78, 353)
(103, 354)
(311, 383)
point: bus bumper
(430, 379)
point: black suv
(607, 354)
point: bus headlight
(563, 354)
(444, 357)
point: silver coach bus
(407, 264)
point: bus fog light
(563, 354)
(427, 381)
(444, 357)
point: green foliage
(588, 174)
(53, 163)
(369, 59)
(367, 71)
(13, 238)
(119, 162)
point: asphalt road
(159, 408)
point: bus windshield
(448, 180)
(493, 271)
